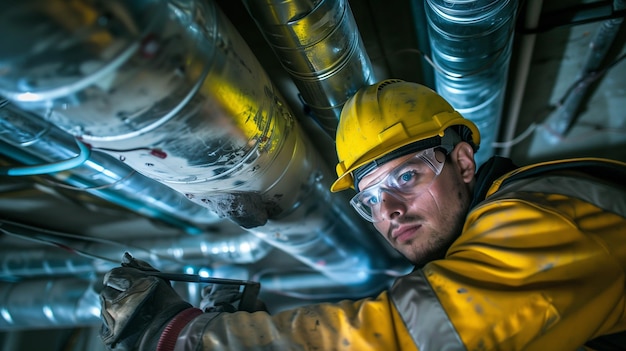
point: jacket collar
(491, 170)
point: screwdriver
(195, 278)
(248, 295)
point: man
(507, 258)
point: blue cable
(52, 167)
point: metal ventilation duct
(67, 286)
(170, 89)
(471, 44)
(171, 253)
(319, 45)
(62, 302)
(33, 141)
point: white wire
(531, 128)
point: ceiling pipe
(31, 140)
(70, 302)
(66, 302)
(173, 90)
(62, 302)
(101, 255)
(559, 123)
(527, 47)
(319, 45)
(471, 45)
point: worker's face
(423, 227)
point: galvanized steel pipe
(319, 45)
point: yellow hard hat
(388, 116)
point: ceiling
(74, 234)
(551, 45)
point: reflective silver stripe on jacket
(413, 296)
(609, 197)
(423, 315)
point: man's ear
(463, 157)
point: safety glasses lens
(405, 182)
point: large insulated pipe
(70, 302)
(559, 123)
(43, 303)
(63, 302)
(173, 90)
(31, 140)
(100, 255)
(471, 44)
(319, 45)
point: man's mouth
(405, 233)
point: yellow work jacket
(540, 265)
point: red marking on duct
(158, 153)
(149, 46)
(65, 247)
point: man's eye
(407, 177)
(372, 200)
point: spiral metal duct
(170, 89)
(61, 302)
(67, 286)
(31, 140)
(319, 45)
(471, 44)
(170, 253)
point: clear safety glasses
(405, 182)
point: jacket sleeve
(369, 324)
(530, 272)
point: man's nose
(392, 205)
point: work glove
(136, 307)
(230, 298)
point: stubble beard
(439, 241)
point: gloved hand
(136, 307)
(229, 298)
